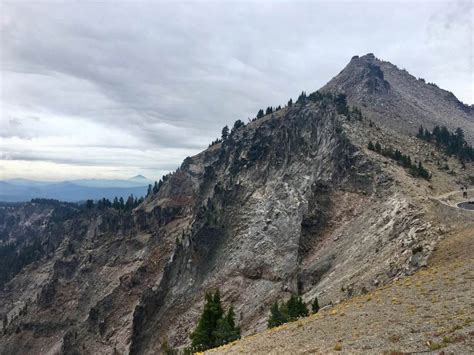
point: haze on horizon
(115, 89)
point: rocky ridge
(398, 100)
(290, 203)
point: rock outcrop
(397, 99)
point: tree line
(289, 311)
(340, 100)
(15, 255)
(118, 203)
(453, 143)
(416, 170)
(216, 327)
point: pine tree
(421, 133)
(371, 146)
(226, 330)
(291, 306)
(213, 328)
(277, 317)
(341, 104)
(424, 173)
(5, 323)
(201, 337)
(238, 124)
(90, 204)
(378, 147)
(260, 113)
(130, 202)
(427, 135)
(149, 191)
(156, 188)
(296, 308)
(315, 305)
(217, 307)
(225, 133)
(290, 102)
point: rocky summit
(336, 196)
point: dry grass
(428, 311)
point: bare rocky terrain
(291, 203)
(397, 99)
(428, 312)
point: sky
(112, 89)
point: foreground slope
(428, 311)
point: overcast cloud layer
(113, 89)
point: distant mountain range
(19, 190)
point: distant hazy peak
(138, 177)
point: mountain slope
(428, 311)
(398, 100)
(290, 203)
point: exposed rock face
(246, 235)
(398, 100)
(290, 203)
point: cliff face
(246, 231)
(290, 203)
(398, 100)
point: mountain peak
(138, 177)
(366, 57)
(395, 98)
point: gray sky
(111, 89)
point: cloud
(84, 83)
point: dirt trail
(453, 198)
(430, 311)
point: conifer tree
(296, 308)
(315, 305)
(5, 323)
(421, 132)
(290, 102)
(371, 146)
(225, 133)
(378, 147)
(226, 330)
(202, 337)
(277, 317)
(260, 113)
(238, 124)
(214, 328)
(90, 204)
(427, 135)
(116, 203)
